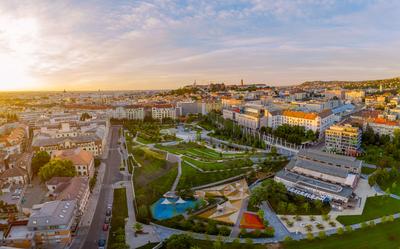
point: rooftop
(53, 213)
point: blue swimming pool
(162, 211)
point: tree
(291, 208)
(261, 214)
(218, 243)
(143, 212)
(306, 207)
(57, 168)
(322, 234)
(349, 228)
(249, 243)
(340, 230)
(138, 227)
(310, 236)
(274, 151)
(39, 160)
(179, 241)
(287, 239)
(236, 244)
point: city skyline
(140, 45)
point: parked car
(105, 227)
(101, 243)
(108, 211)
(107, 220)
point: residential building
(382, 126)
(231, 102)
(70, 188)
(16, 175)
(355, 95)
(134, 112)
(91, 143)
(343, 139)
(338, 93)
(163, 111)
(16, 234)
(12, 142)
(310, 120)
(82, 160)
(52, 222)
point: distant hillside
(386, 83)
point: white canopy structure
(180, 201)
(166, 202)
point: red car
(105, 227)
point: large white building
(134, 112)
(163, 111)
(320, 175)
(310, 120)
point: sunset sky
(114, 45)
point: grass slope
(382, 236)
(375, 207)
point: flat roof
(330, 158)
(318, 167)
(301, 180)
(19, 232)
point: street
(112, 175)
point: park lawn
(205, 165)
(375, 207)
(119, 213)
(367, 171)
(154, 178)
(192, 178)
(396, 189)
(194, 150)
(149, 193)
(144, 141)
(382, 236)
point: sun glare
(18, 38)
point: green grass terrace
(198, 151)
(375, 207)
(381, 236)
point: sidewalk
(130, 238)
(90, 210)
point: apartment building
(52, 222)
(343, 139)
(131, 112)
(15, 234)
(231, 102)
(355, 95)
(310, 120)
(163, 111)
(338, 93)
(91, 143)
(324, 176)
(70, 188)
(382, 126)
(12, 142)
(134, 112)
(82, 160)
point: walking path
(173, 188)
(280, 230)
